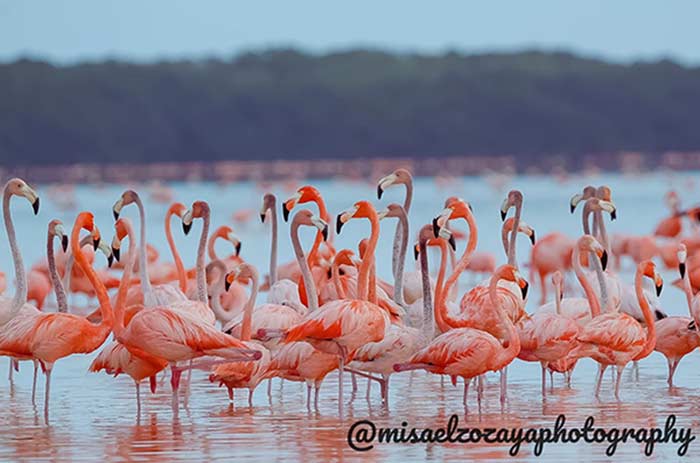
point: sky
(70, 31)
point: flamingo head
(514, 199)
(457, 208)
(242, 272)
(648, 269)
(226, 233)
(128, 197)
(199, 209)
(269, 202)
(682, 258)
(589, 191)
(177, 209)
(587, 243)
(56, 229)
(306, 217)
(398, 177)
(360, 210)
(523, 228)
(19, 187)
(304, 194)
(510, 273)
(392, 210)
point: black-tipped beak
(681, 269)
(262, 218)
(453, 245)
(285, 212)
(692, 326)
(115, 253)
(64, 243)
(416, 252)
(436, 227)
(524, 289)
(35, 206)
(186, 227)
(659, 315)
(110, 260)
(338, 224)
(95, 243)
(324, 232)
(532, 238)
(658, 289)
(613, 214)
(572, 208)
(238, 248)
(227, 285)
(503, 216)
(380, 192)
(115, 214)
(604, 260)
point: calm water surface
(93, 416)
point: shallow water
(93, 416)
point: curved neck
(58, 288)
(401, 233)
(70, 260)
(427, 323)
(323, 213)
(201, 272)
(181, 275)
(598, 217)
(248, 309)
(98, 286)
(687, 289)
(335, 275)
(441, 305)
(20, 297)
(372, 284)
(119, 305)
(309, 285)
(646, 311)
(514, 235)
(273, 242)
(557, 298)
(143, 253)
(400, 246)
(585, 284)
(363, 278)
(511, 334)
(217, 289)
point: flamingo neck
(59, 290)
(585, 284)
(119, 305)
(246, 325)
(335, 275)
(323, 212)
(401, 233)
(181, 275)
(687, 289)
(201, 272)
(514, 234)
(211, 249)
(217, 290)
(143, 256)
(363, 278)
(646, 311)
(557, 299)
(427, 323)
(70, 260)
(602, 230)
(309, 285)
(372, 288)
(20, 297)
(100, 290)
(459, 268)
(273, 242)
(400, 246)
(512, 337)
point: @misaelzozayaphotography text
(364, 435)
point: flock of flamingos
(327, 310)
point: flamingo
(341, 327)
(615, 338)
(175, 335)
(300, 361)
(147, 294)
(678, 336)
(671, 226)
(469, 352)
(115, 358)
(49, 337)
(280, 290)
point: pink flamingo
(469, 352)
(615, 338)
(678, 336)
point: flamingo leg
(250, 397)
(551, 379)
(47, 392)
(269, 389)
(317, 388)
(175, 374)
(341, 365)
(385, 388)
(230, 394)
(354, 382)
(10, 374)
(479, 387)
(36, 371)
(568, 379)
(617, 382)
(672, 371)
(138, 398)
(466, 392)
(601, 371)
(308, 396)
(504, 383)
(544, 381)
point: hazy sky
(144, 30)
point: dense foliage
(286, 104)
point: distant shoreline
(358, 169)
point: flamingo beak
(285, 212)
(64, 243)
(416, 252)
(692, 326)
(35, 206)
(524, 289)
(532, 237)
(604, 260)
(613, 214)
(228, 282)
(380, 191)
(262, 217)
(451, 240)
(324, 233)
(504, 210)
(238, 248)
(339, 223)
(117, 208)
(187, 222)
(659, 283)
(575, 199)
(384, 183)
(436, 227)
(681, 269)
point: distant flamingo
(678, 336)
(469, 352)
(671, 226)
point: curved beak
(681, 269)
(95, 238)
(575, 199)
(285, 212)
(238, 248)
(339, 223)
(262, 217)
(187, 222)
(416, 251)
(227, 283)
(451, 240)
(35, 206)
(659, 283)
(613, 214)
(64, 243)
(117, 208)
(380, 191)
(504, 210)
(692, 326)
(524, 289)
(384, 183)
(324, 233)
(436, 227)
(604, 259)
(289, 204)
(532, 237)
